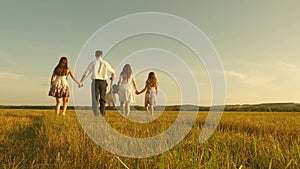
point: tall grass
(40, 139)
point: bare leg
(127, 109)
(146, 108)
(122, 107)
(151, 109)
(57, 106)
(65, 105)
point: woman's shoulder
(69, 70)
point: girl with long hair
(126, 93)
(151, 89)
(60, 86)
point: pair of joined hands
(80, 84)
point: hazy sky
(257, 41)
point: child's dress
(150, 96)
(126, 91)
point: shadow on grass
(21, 144)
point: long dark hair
(62, 68)
(152, 81)
(126, 72)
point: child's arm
(143, 89)
(156, 90)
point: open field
(39, 139)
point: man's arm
(86, 73)
(83, 78)
(112, 71)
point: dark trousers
(98, 88)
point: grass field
(39, 139)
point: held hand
(80, 84)
(137, 92)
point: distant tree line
(264, 107)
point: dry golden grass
(39, 139)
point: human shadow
(22, 144)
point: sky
(257, 43)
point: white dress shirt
(99, 69)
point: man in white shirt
(99, 69)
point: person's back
(151, 92)
(59, 87)
(99, 70)
(126, 84)
(150, 86)
(125, 78)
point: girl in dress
(126, 92)
(60, 86)
(151, 89)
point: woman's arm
(73, 77)
(52, 78)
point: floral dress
(150, 96)
(60, 87)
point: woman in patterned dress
(60, 86)
(151, 89)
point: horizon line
(161, 105)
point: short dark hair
(98, 53)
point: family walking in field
(99, 69)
